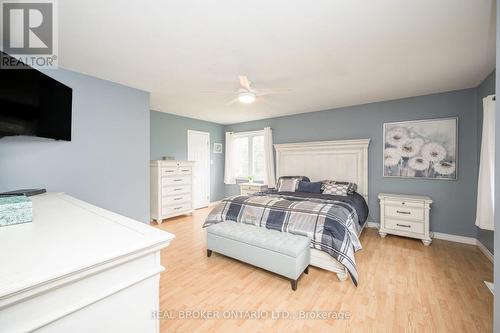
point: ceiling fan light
(246, 97)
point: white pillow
(288, 184)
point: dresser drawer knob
(403, 225)
(403, 212)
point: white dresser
(405, 215)
(249, 188)
(171, 189)
(79, 268)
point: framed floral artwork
(421, 149)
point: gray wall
(487, 87)
(106, 162)
(169, 137)
(454, 206)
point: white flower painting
(421, 149)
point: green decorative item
(15, 210)
(250, 179)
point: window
(249, 155)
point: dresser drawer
(169, 210)
(174, 171)
(175, 190)
(176, 199)
(414, 227)
(177, 180)
(405, 212)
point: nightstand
(249, 188)
(405, 215)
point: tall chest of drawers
(405, 215)
(171, 189)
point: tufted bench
(279, 252)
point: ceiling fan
(246, 94)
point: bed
(345, 160)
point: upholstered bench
(279, 252)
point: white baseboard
(485, 251)
(451, 238)
(454, 238)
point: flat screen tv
(34, 104)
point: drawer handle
(177, 189)
(177, 180)
(402, 212)
(403, 225)
(185, 170)
(177, 198)
(177, 208)
(169, 170)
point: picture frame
(218, 148)
(421, 149)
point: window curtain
(229, 176)
(269, 177)
(486, 182)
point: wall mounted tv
(32, 103)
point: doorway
(198, 146)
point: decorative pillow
(309, 187)
(338, 188)
(287, 184)
(298, 178)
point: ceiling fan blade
(232, 101)
(244, 82)
(265, 92)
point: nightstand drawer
(414, 227)
(405, 212)
(404, 203)
(245, 192)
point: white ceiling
(331, 53)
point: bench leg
(294, 284)
(306, 270)
(209, 253)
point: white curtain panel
(229, 176)
(486, 182)
(269, 177)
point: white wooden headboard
(342, 160)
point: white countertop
(66, 236)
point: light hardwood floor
(404, 287)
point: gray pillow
(288, 184)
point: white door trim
(209, 162)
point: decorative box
(15, 210)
